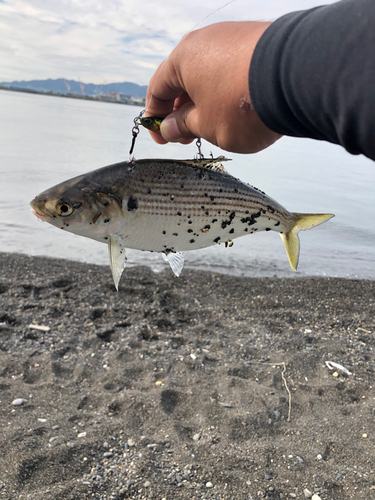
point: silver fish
(167, 206)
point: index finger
(163, 90)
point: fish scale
(167, 206)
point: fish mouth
(38, 215)
(37, 209)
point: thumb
(179, 125)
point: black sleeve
(312, 74)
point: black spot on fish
(268, 229)
(232, 215)
(179, 213)
(188, 216)
(190, 231)
(106, 220)
(164, 232)
(225, 223)
(216, 240)
(251, 220)
(207, 212)
(246, 229)
(66, 225)
(161, 175)
(192, 241)
(219, 212)
(206, 194)
(247, 212)
(132, 203)
(212, 198)
(277, 224)
(203, 207)
(231, 231)
(105, 203)
(175, 234)
(172, 197)
(182, 186)
(149, 191)
(213, 221)
(190, 222)
(235, 190)
(207, 227)
(106, 237)
(220, 190)
(270, 209)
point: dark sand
(168, 389)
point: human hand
(202, 89)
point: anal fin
(176, 261)
(117, 257)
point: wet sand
(174, 388)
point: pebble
(196, 437)
(131, 442)
(19, 402)
(316, 497)
(107, 454)
(55, 427)
(147, 484)
(307, 493)
(209, 485)
(52, 439)
(82, 434)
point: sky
(106, 41)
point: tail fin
(291, 239)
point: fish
(167, 206)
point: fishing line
(186, 34)
(137, 122)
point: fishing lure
(151, 123)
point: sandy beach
(202, 387)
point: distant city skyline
(110, 40)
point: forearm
(312, 75)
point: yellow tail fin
(291, 239)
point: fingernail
(169, 129)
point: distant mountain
(63, 86)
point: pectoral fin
(117, 257)
(176, 261)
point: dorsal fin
(209, 163)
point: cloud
(108, 40)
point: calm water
(45, 140)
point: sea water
(45, 140)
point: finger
(182, 125)
(163, 90)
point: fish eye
(147, 121)
(64, 208)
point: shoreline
(173, 388)
(70, 96)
